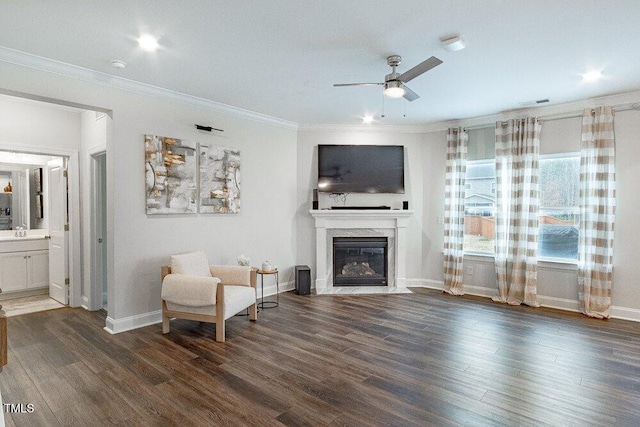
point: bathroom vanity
(24, 262)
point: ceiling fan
(394, 83)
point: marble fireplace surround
(361, 223)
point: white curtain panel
(517, 203)
(597, 212)
(456, 169)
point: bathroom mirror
(23, 186)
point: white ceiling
(280, 58)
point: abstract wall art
(170, 175)
(219, 179)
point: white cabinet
(24, 270)
(13, 271)
(38, 269)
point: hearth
(360, 261)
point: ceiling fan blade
(357, 84)
(422, 67)
(409, 95)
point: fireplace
(360, 261)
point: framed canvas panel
(219, 179)
(170, 175)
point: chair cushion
(192, 291)
(237, 298)
(191, 264)
(232, 274)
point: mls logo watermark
(18, 408)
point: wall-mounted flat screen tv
(361, 168)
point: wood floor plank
(425, 358)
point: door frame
(73, 194)
(98, 201)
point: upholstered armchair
(194, 290)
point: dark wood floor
(413, 359)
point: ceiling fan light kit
(394, 89)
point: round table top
(267, 271)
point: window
(479, 206)
(559, 184)
(559, 206)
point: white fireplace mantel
(334, 223)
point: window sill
(549, 263)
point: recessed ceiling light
(148, 43)
(367, 119)
(592, 76)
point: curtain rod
(553, 117)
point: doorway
(39, 213)
(59, 137)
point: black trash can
(303, 279)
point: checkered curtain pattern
(517, 203)
(456, 169)
(597, 212)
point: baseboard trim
(271, 288)
(617, 312)
(115, 326)
(625, 313)
(559, 303)
(425, 283)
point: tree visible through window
(559, 184)
(559, 206)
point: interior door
(59, 242)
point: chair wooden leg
(165, 320)
(253, 311)
(220, 330)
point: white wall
(433, 159)
(138, 244)
(26, 124)
(627, 242)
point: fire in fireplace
(360, 261)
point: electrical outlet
(469, 270)
(440, 220)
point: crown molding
(569, 109)
(24, 59)
(310, 127)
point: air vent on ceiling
(536, 102)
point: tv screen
(361, 168)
